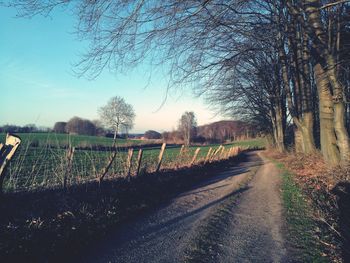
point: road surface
(253, 234)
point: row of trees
(222, 131)
(216, 132)
(77, 125)
(116, 115)
(9, 128)
(296, 70)
(276, 63)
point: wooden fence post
(181, 150)
(110, 162)
(230, 153)
(160, 157)
(69, 159)
(233, 151)
(139, 160)
(215, 153)
(129, 162)
(222, 154)
(208, 155)
(227, 153)
(195, 155)
(7, 151)
(211, 157)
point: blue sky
(37, 82)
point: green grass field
(57, 139)
(46, 166)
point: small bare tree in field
(117, 114)
(187, 126)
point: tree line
(281, 64)
(115, 116)
(77, 125)
(189, 132)
(11, 128)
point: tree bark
(327, 135)
(329, 67)
(307, 127)
(279, 130)
(298, 140)
(299, 94)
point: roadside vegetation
(41, 161)
(317, 204)
(282, 66)
(38, 225)
(301, 227)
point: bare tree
(117, 114)
(187, 126)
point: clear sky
(37, 82)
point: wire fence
(49, 167)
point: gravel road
(253, 234)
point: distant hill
(221, 131)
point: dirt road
(253, 232)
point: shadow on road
(166, 225)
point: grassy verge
(301, 227)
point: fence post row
(160, 157)
(195, 155)
(128, 162)
(7, 151)
(139, 160)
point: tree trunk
(307, 128)
(341, 132)
(298, 140)
(115, 136)
(321, 44)
(279, 130)
(327, 135)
